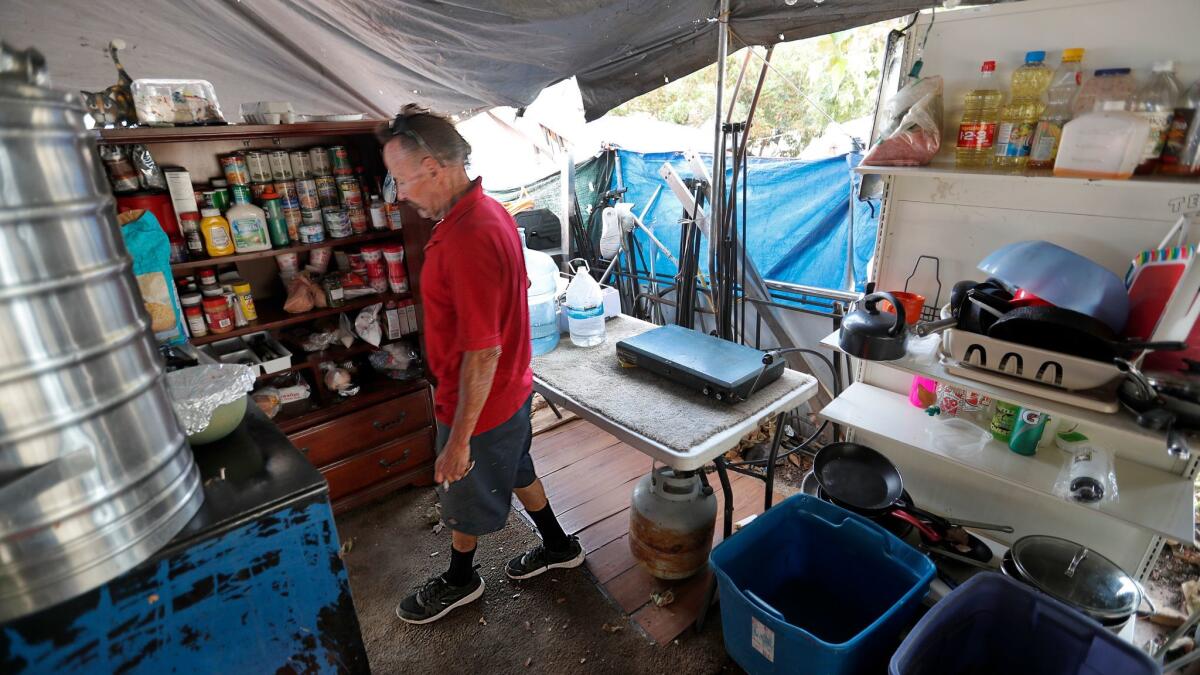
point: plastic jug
(584, 308)
(543, 299)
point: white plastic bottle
(1155, 102)
(543, 299)
(585, 309)
(249, 226)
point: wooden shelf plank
(234, 132)
(271, 315)
(184, 268)
(1149, 498)
(378, 391)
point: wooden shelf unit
(365, 455)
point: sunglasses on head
(401, 126)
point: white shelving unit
(961, 216)
(1148, 498)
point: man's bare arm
(477, 372)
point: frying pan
(863, 480)
(1069, 332)
(967, 306)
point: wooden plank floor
(589, 477)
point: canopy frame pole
(718, 159)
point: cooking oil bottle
(981, 113)
(1059, 96)
(1019, 118)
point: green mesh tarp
(545, 191)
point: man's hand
(453, 463)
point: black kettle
(868, 333)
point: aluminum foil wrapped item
(197, 392)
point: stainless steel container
(95, 472)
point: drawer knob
(403, 458)
(384, 426)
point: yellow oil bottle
(1019, 118)
(981, 115)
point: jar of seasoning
(241, 289)
(216, 310)
(208, 275)
(189, 222)
(194, 313)
(211, 291)
(333, 290)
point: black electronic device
(723, 370)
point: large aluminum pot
(95, 472)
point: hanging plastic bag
(911, 132)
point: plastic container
(1063, 87)
(543, 299)
(1018, 119)
(1181, 151)
(249, 226)
(1155, 103)
(218, 240)
(992, 624)
(1107, 84)
(981, 116)
(808, 587)
(585, 309)
(1105, 144)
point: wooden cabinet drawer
(364, 429)
(395, 458)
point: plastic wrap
(912, 126)
(1087, 474)
(367, 324)
(197, 392)
(397, 360)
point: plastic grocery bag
(151, 252)
(911, 132)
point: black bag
(542, 229)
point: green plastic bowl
(224, 420)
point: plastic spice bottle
(194, 314)
(218, 239)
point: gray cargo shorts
(479, 503)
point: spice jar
(208, 276)
(216, 310)
(211, 291)
(194, 313)
(241, 289)
(333, 290)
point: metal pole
(718, 160)
(567, 195)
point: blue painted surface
(270, 595)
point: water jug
(543, 299)
(584, 307)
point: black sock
(552, 533)
(461, 567)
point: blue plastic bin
(992, 624)
(808, 587)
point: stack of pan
(95, 472)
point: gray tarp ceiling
(375, 55)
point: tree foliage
(839, 72)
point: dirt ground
(555, 623)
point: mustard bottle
(218, 239)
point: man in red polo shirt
(473, 285)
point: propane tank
(671, 523)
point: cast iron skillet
(1068, 332)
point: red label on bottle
(979, 136)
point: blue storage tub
(808, 587)
(992, 624)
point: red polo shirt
(473, 285)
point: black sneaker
(437, 598)
(539, 559)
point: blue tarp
(797, 216)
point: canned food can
(306, 193)
(311, 234)
(293, 218)
(281, 165)
(311, 216)
(220, 199)
(358, 219)
(327, 191)
(257, 190)
(286, 189)
(337, 222)
(259, 166)
(236, 171)
(339, 160)
(393, 215)
(240, 194)
(205, 200)
(301, 164)
(319, 158)
(349, 191)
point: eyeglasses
(400, 126)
